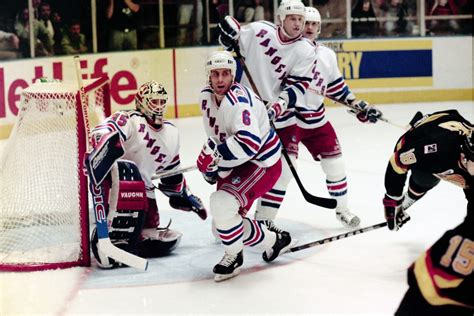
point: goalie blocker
(126, 220)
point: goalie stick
(313, 199)
(170, 173)
(104, 244)
(337, 237)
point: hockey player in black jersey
(439, 146)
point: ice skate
(272, 227)
(282, 244)
(347, 218)
(228, 267)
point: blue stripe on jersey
(248, 94)
(248, 151)
(291, 97)
(231, 101)
(172, 166)
(309, 120)
(225, 152)
(250, 135)
(243, 99)
(335, 82)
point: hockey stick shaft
(170, 173)
(316, 200)
(338, 237)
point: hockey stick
(104, 244)
(353, 108)
(316, 200)
(170, 173)
(340, 236)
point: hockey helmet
(220, 60)
(312, 15)
(151, 100)
(288, 7)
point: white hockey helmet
(288, 7)
(151, 100)
(312, 15)
(220, 60)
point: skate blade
(223, 277)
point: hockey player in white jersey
(315, 132)
(278, 57)
(145, 144)
(242, 156)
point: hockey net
(43, 190)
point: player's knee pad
(333, 168)
(224, 206)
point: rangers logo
(236, 180)
(429, 149)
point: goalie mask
(151, 100)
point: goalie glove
(208, 160)
(180, 198)
(229, 32)
(364, 112)
(394, 214)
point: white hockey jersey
(150, 149)
(276, 65)
(326, 80)
(241, 126)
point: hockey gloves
(182, 199)
(229, 32)
(208, 160)
(274, 110)
(394, 213)
(364, 112)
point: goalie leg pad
(100, 161)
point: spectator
(9, 45)
(58, 32)
(396, 11)
(364, 22)
(250, 10)
(440, 8)
(45, 18)
(122, 16)
(43, 41)
(73, 41)
(188, 12)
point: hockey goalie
(128, 148)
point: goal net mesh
(43, 203)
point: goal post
(44, 221)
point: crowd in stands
(135, 24)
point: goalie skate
(347, 218)
(228, 267)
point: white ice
(363, 274)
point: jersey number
(463, 263)
(246, 117)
